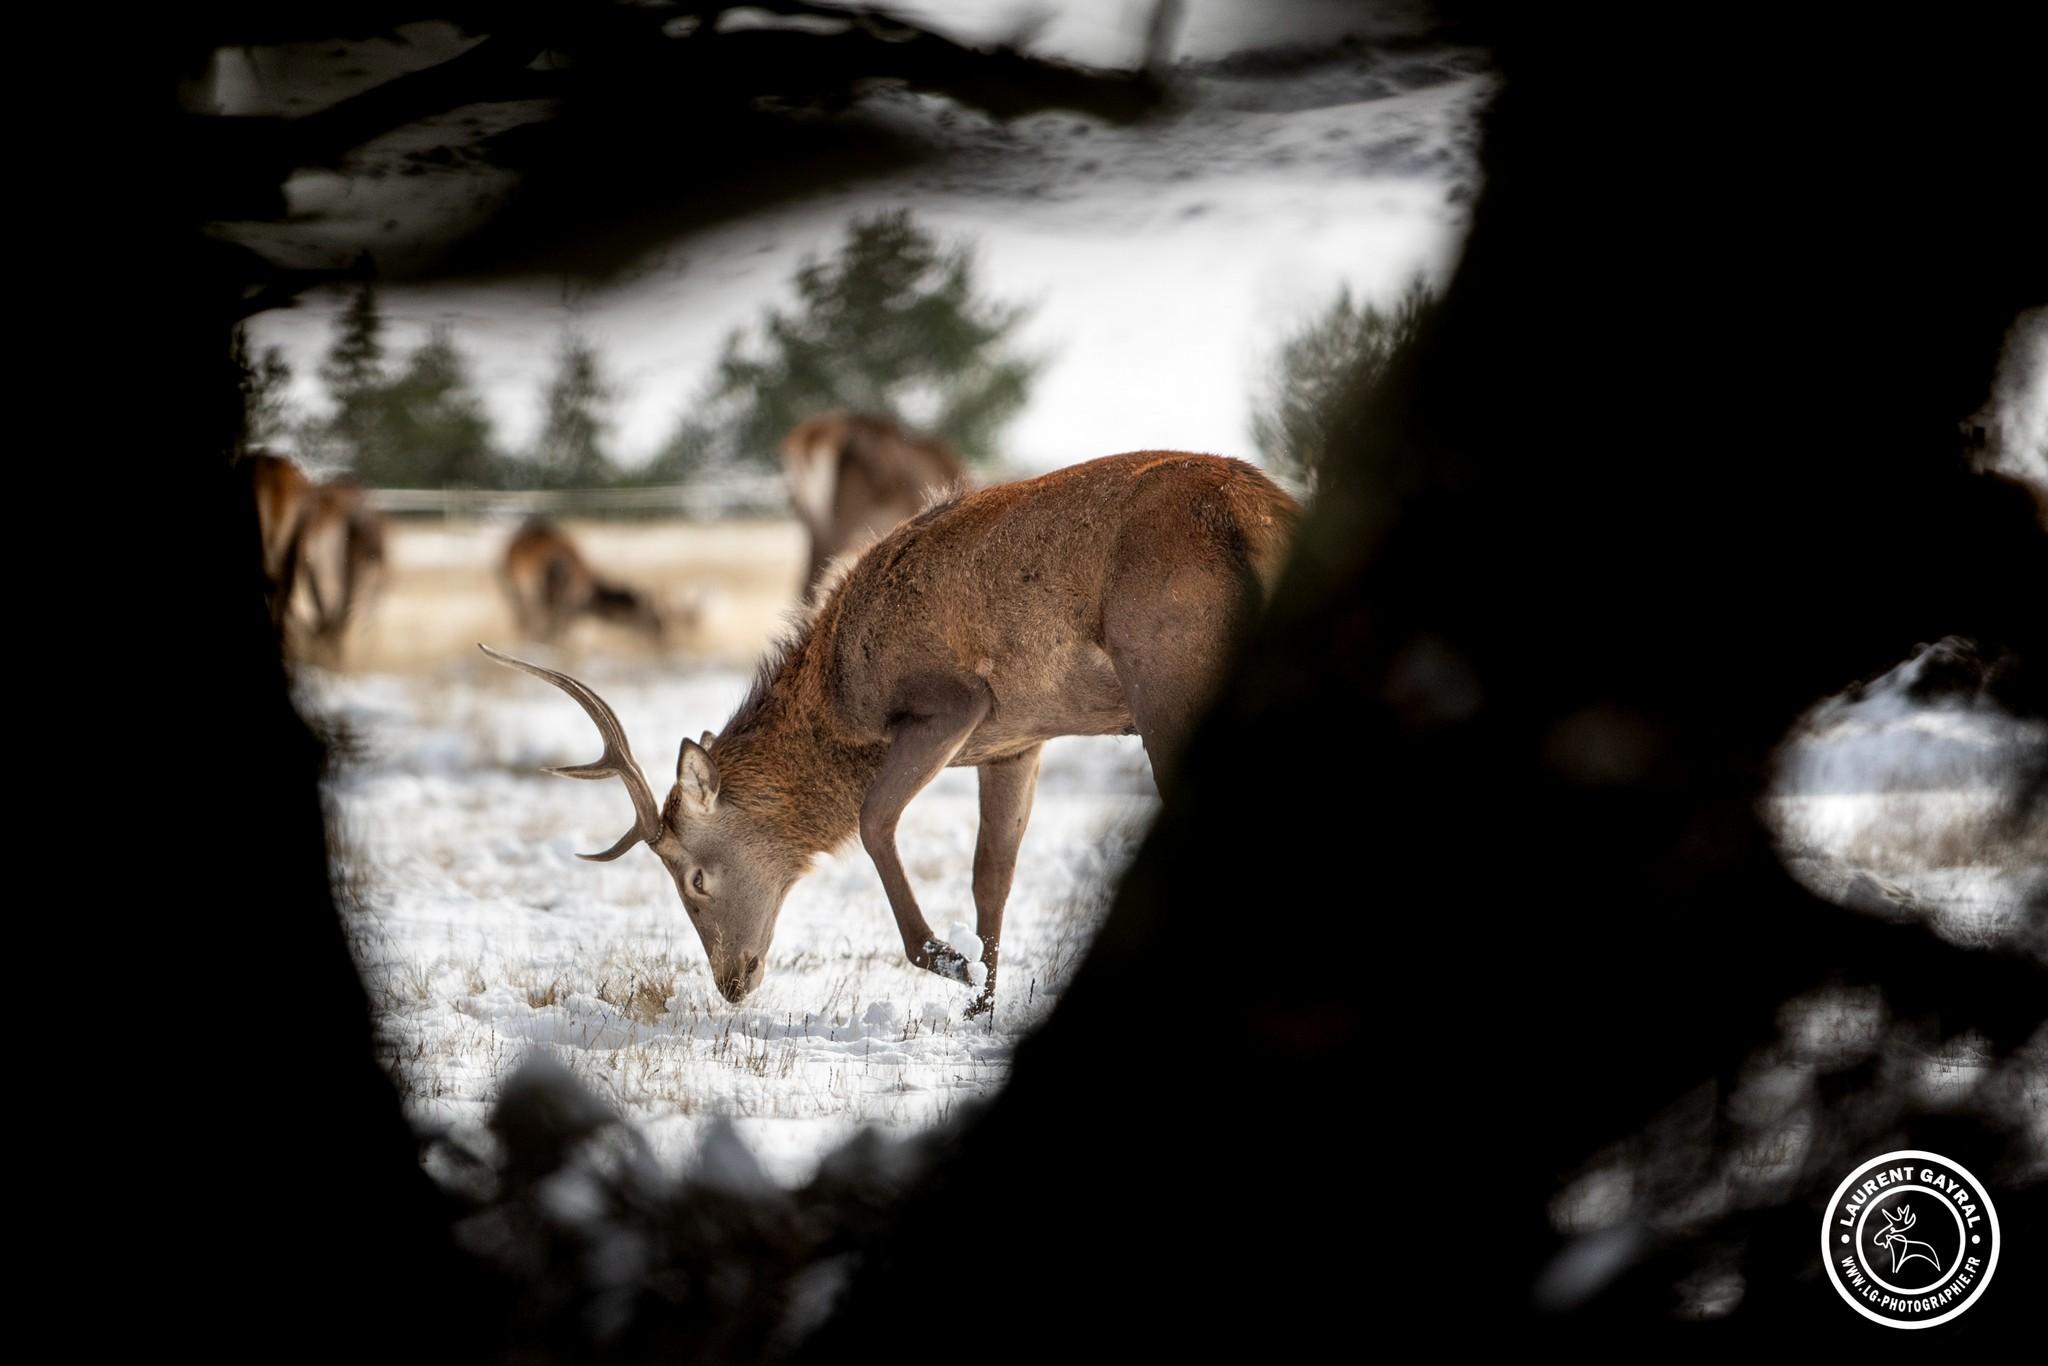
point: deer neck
(785, 759)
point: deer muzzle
(737, 982)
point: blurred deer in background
(1096, 600)
(339, 558)
(550, 586)
(322, 546)
(281, 491)
(852, 477)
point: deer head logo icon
(1893, 1238)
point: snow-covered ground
(1893, 798)
(483, 936)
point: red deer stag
(550, 585)
(339, 554)
(1099, 599)
(852, 477)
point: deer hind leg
(938, 716)
(1007, 786)
(285, 555)
(522, 610)
(558, 599)
(1170, 635)
(325, 568)
(815, 569)
(315, 573)
(553, 621)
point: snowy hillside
(1269, 187)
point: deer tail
(1267, 516)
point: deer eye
(697, 882)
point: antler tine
(626, 841)
(615, 762)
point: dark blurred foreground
(1677, 455)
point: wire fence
(706, 499)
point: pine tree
(355, 361)
(571, 449)
(1332, 362)
(427, 428)
(267, 413)
(691, 450)
(892, 325)
(354, 375)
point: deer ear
(696, 779)
(706, 741)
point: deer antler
(1905, 1216)
(615, 762)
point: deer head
(731, 875)
(1896, 1222)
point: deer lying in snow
(550, 585)
(1095, 600)
(852, 477)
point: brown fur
(550, 585)
(853, 476)
(1016, 585)
(339, 557)
(322, 546)
(281, 492)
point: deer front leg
(1007, 786)
(940, 718)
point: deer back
(1010, 583)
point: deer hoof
(981, 1005)
(942, 959)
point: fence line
(702, 499)
(706, 499)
